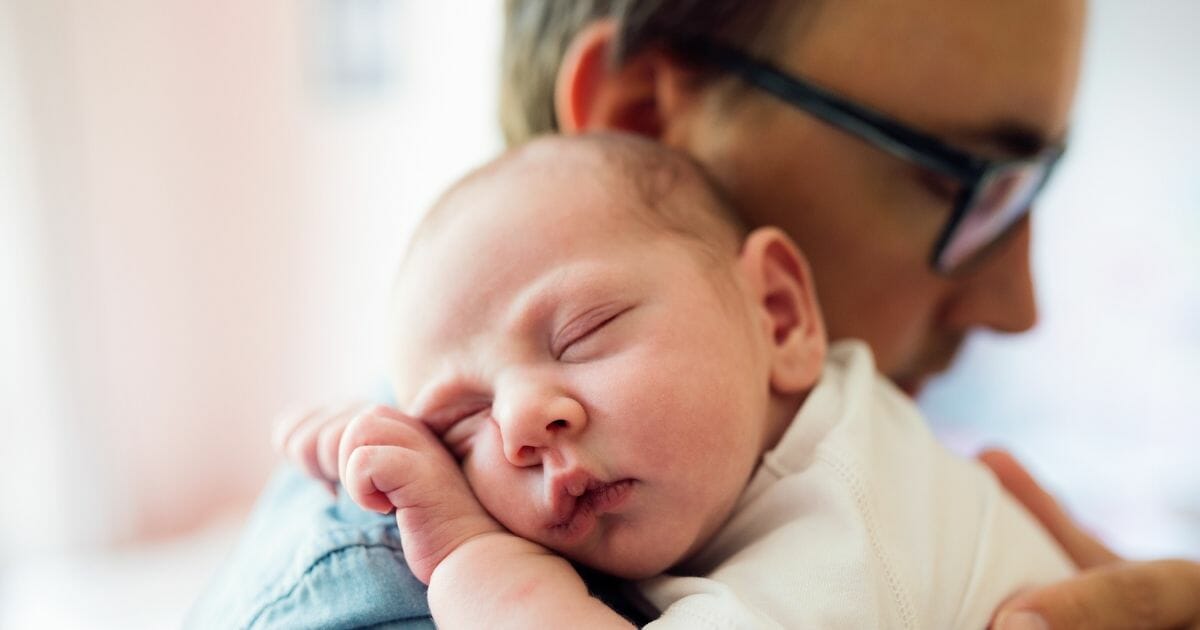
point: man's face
(605, 396)
(994, 78)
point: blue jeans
(308, 561)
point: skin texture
(547, 359)
(597, 344)
(866, 220)
(958, 70)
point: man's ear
(778, 277)
(637, 97)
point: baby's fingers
(376, 476)
(294, 437)
(329, 440)
(302, 436)
(380, 425)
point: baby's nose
(532, 424)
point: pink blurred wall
(215, 226)
(170, 179)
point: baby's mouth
(580, 498)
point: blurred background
(201, 204)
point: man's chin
(937, 359)
(912, 386)
(913, 382)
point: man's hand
(1108, 592)
(387, 461)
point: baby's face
(604, 390)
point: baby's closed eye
(576, 341)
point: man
(992, 80)
(875, 133)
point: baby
(597, 362)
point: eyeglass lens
(1001, 199)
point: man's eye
(940, 186)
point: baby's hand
(390, 461)
(309, 438)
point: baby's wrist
(487, 547)
(486, 554)
(488, 573)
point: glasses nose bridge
(534, 414)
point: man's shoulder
(307, 561)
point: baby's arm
(479, 574)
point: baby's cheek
(500, 487)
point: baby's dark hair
(670, 191)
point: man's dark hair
(538, 32)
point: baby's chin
(624, 566)
(630, 554)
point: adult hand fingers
(1083, 548)
(1153, 595)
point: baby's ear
(777, 275)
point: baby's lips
(565, 490)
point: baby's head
(603, 347)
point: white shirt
(858, 518)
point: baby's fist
(390, 461)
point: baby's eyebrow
(542, 299)
(536, 300)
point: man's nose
(535, 420)
(999, 293)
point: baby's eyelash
(583, 327)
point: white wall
(34, 398)
(1102, 398)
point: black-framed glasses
(995, 194)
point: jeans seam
(307, 572)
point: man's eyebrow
(1010, 137)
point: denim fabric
(306, 561)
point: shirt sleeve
(307, 561)
(705, 604)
